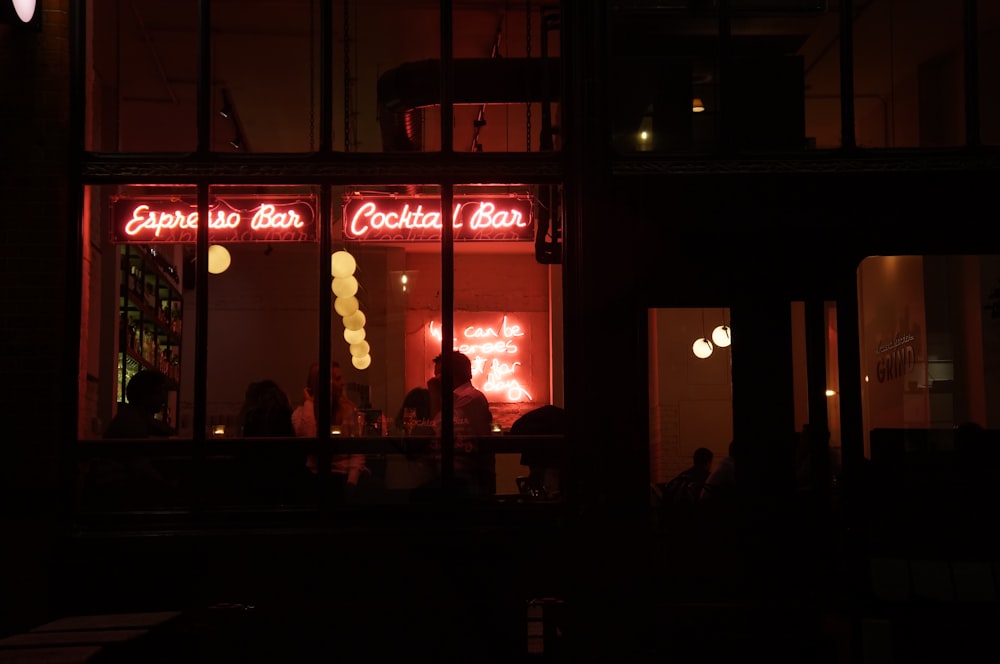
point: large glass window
(928, 361)
(908, 76)
(239, 407)
(690, 398)
(989, 72)
(143, 73)
(764, 77)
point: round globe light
(345, 306)
(354, 336)
(355, 321)
(342, 264)
(722, 336)
(218, 259)
(702, 348)
(344, 286)
(362, 362)
(360, 349)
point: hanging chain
(527, 19)
(347, 76)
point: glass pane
(143, 66)
(385, 278)
(263, 324)
(136, 345)
(667, 72)
(508, 311)
(927, 342)
(690, 407)
(664, 79)
(810, 466)
(989, 71)
(908, 78)
(506, 77)
(265, 95)
(386, 76)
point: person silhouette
(679, 497)
(419, 399)
(140, 415)
(345, 469)
(266, 411)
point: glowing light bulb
(345, 306)
(344, 286)
(342, 264)
(360, 349)
(362, 362)
(722, 336)
(354, 336)
(218, 259)
(702, 348)
(355, 321)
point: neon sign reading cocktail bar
(234, 219)
(416, 218)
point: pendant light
(722, 336)
(702, 348)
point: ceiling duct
(414, 85)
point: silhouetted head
(419, 398)
(703, 457)
(148, 391)
(266, 410)
(336, 381)
(461, 366)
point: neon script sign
(496, 346)
(256, 219)
(415, 218)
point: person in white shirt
(475, 470)
(346, 469)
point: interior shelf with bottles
(150, 316)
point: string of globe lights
(722, 337)
(345, 287)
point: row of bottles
(150, 313)
(144, 342)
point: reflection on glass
(143, 64)
(908, 76)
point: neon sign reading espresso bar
(233, 219)
(416, 218)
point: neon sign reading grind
(235, 219)
(415, 218)
(496, 346)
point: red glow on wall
(497, 346)
(233, 219)
(419, 218)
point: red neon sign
(497, 347)
(235, 219)
(415, 218)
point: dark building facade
(815, 175)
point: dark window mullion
(447, 252)
(973, 137)
(848, 140)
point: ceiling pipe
(414, 85)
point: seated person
(544, 464)
(266, 411)
(475, 469)
(146, 399)
(419, 399)
(345, 469)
